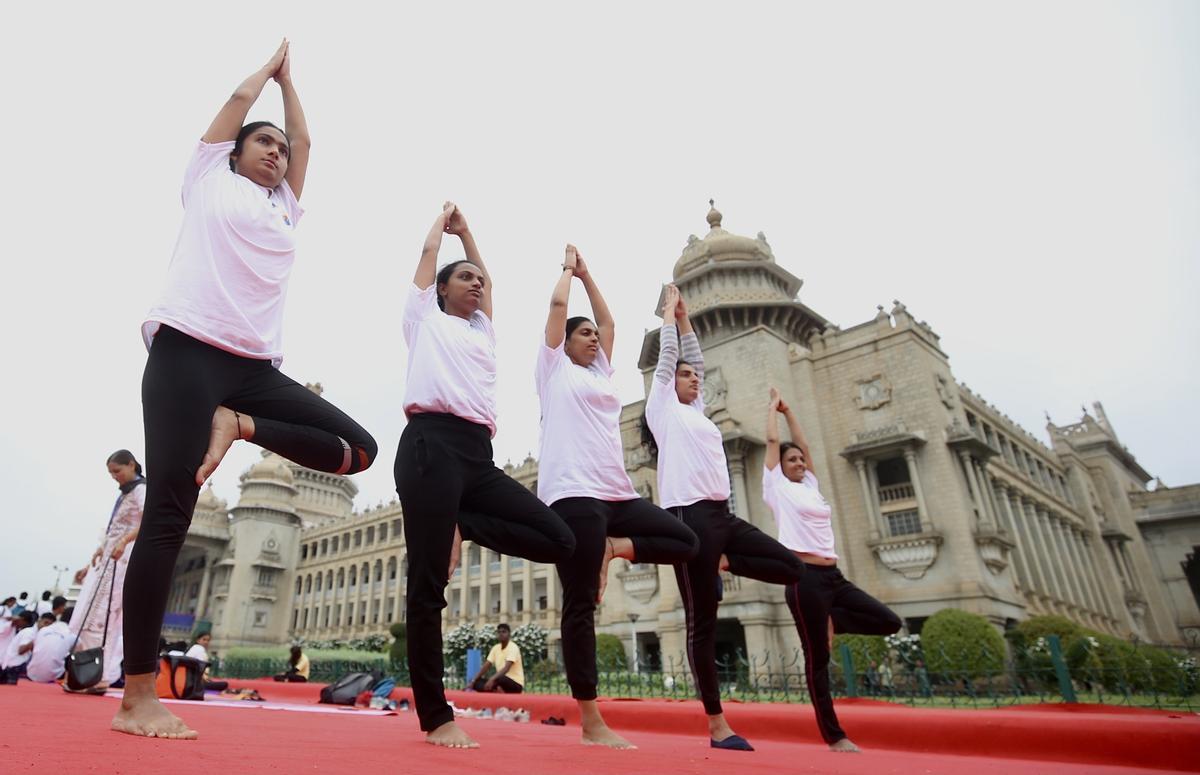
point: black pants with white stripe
(445, 477)
(657, 538)
(751, 553)
(184, 382)
(822, 594)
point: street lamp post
(633, 631)
(60, 570)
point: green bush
(326, 665)
(399, 649)
(961, 645)
(610, 654)
(864, 648)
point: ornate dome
(719, 245)
(208, 500)
(272, 468)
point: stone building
(939, 499)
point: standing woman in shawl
(111, 557)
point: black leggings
(445, 475)
(184, 383)
(751, 553)
(657, 538)
(822, 594)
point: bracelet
(238, 419)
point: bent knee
(365, 452)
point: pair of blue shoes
(731, 743)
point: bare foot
(845, 746)
(227, 428)
(450, 735)
(595, 731)
(147, 717)
(723, 565)
(613, 547)
(455, 552)
(604, 736)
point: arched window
(308, 583)
(379, 570)
(341, 577)
(329, 580)
(318, 582)
(353, 575)
(299, 585)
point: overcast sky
(1024, 176)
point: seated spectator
(298, 668)
(12, 666)
(7, 617)
(506, 657)
(199, 650)
(44, 605)
(50, 648)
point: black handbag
(85, 668)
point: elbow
(557, 303)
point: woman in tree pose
(693, 483)
(449, 487)
(215, 340)
(823, 601)
(582, 476)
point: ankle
(245, 426)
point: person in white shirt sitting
(20, 649)
(505, 656)
(51, 646)
(199, 650)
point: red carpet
(47, 729)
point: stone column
(464, 581)
(1040, 586)
(401, 588)
(969, 473)
(910, 459)
(987, 514)
(505, 587)
(205, 580)
(485, 584)
(1105, 595)
(1004, 516)
(1057, 530)
(1081, 568)
(527, 591)
(1052, 572)
(1123, 551)
(873, 518)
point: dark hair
(59, 601)
(28, 617)
(295, 655)
(10, 598)
(246, 132)
(124, 457)
(682, 362)
(576, 322)
(49, 617)
(46, 595)
(443, 276)
(786, 446)
(503, 626)
(67, 614)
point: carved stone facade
(939, 499)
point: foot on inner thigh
(718, 727)
(613, 547)
(723, 565)
(147, 717)
(845, 746)
(450, 735)
(455, 552)
(227, 427)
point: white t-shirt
(23, 638)
(7, 631)
(451, 361)
(691, 454)
(50, 648)
(228, 277)
(198, 652)
(44, 607)
(581, 451)
(802, 513)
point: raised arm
(688, 342)
(668, 346)
(426, 272)
(605, 325)
(556, 320)
(797, 434)
(294, 125)
(773, 430)
(229, 120)
(457, 225)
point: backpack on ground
(346, 689)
